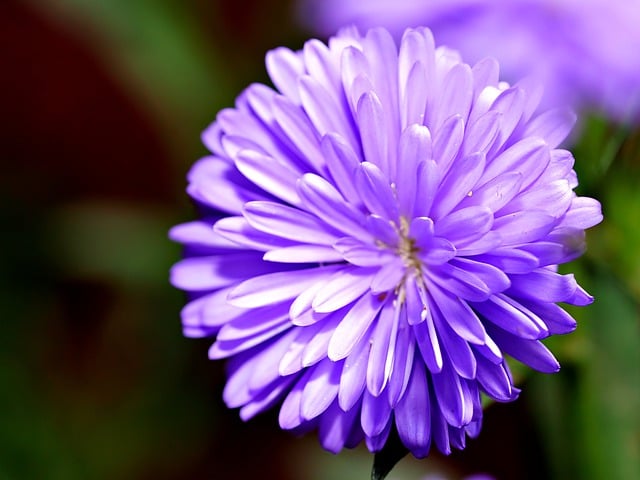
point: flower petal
(276, 287)
(353, 326)
(412, 414)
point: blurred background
(103, 102)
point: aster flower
(583, 51)
(376, 235)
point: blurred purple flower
(385, 226)
(584, 51)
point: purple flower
(376, 235)
(584, 51)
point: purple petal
(455, 99)
(543, 285)
(354, 374)
(458, 315)
(265, 370)
(414, 96)
(529, 157)
(457, 349)
(553, 126)
(346, 285)
(439, 429)
(210, 273)
(249, 324)
(461, 179)
(459, 283)
(238, 231)
(275, 287)
(383, 341)
(437, 251)
(373, 131)
(335, 428)
(214, 310)
(584, 213)
(322, 66)
(388, 276)
(447, 142)
(375, 415)
(580, 297)
(382, 229)
(299, 131)
(288, 222)
(523, 227)
(423, 327)
(495, 381)
(290, 416)
(239, 369)
(567, 246)
(324, 110)
(303, 254)
(285, 67)
(362, 254)
(377, 442)
(428, 181)
(403, 360)
(455, 406)
(355, 73)
(353, 326)
(266, 398)
(465, 225)
(555, 197)
(300, 312)
(485, 73)
(316, 349)
(219, 185)
(496, 193)
(321, 389)
(494, 278)
(511, 317)
(291, 361)
(415, 47)
(224, 349)
(530, 352)
(342, 163)
(510, 103)
(481, 133)
(269, 174)
(200, 233)
(415, 145)
(382, 54)
(375, 191)
(323, 200)
(412, 414)
(555, 318)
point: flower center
(407, 248)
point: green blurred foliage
(96, 379)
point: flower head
(583, 51)
(377, 233)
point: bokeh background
(102, 105)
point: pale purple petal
(353, 326)
(209, 273)
(275, 287)
(288, 222)
(345, 286)
(321, 389)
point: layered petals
(377, 234)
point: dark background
(102, 106)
